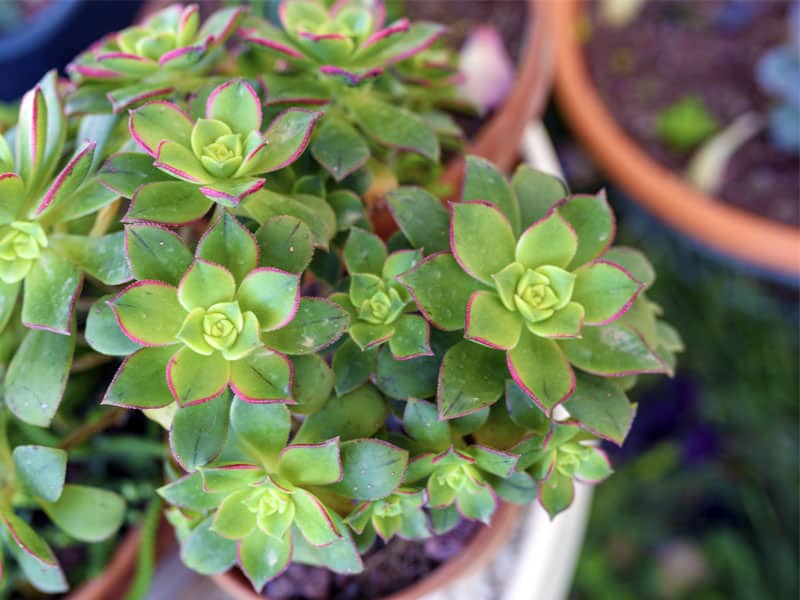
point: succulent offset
(185, 242)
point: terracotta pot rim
(480, 549)
(735, 232)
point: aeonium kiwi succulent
(190, 285)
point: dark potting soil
(388, 568)
(674, 48)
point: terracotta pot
(499, 138)
(722, 227)
(483, 546)
(115, 579)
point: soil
(388, 568)
(677, 48)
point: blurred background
(705, 500)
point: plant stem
(84, 432)
(88, 362)
(145, 564)
(104, 219)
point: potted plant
(693, 149)
(186, 222)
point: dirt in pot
(701, 57)
(388, 568)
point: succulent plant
(165, 54)
(311, 385)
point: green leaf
(474, 225)
(338, 147)
(373, 469)
(41, 470)
(313, 383)
(286, 243)
(421, 217)
(125, 172)
(368, 335)
(594, 466)
(262, 428)
(263, 376)
(593, 222)
(483, 182)
(9, 293)
(205, 284)
(316, 325)
(34, 555)
(51, 288)
(444, 519)
(536, 193)
(539, 367)
(69, 179)
(311, 464)
(31, 134)
(103, 333)
(441, 290)
(158, 121)
(364, 253)
(188, 492)
(206, 552)
(401, 379)
(398, 262)
(286, 138)
(394, 127)
(88, 514)
(349, 209)
(48, 578)
(633, 261)
(490, 323)
(168, 202)
(518, 488)
(103, 258)
(355, 415)
(263, 557)
(194, 378)
(233, 518)
(523, 411)
(149, 312)
(477, 502)
(494, 461)
(228, 243)
(235, 103)
(272, 295)
(556, 494)
(12, 189)
(314, 212)
(565, 323)
(612, 351)
(352, 366)
(156, 253)
(605, 291)
(471, 378)
(313, 519)
(37, 376)
(549, 241)
(410, 338)
(141, 380)
(198, 432)
(421, 422)
(87, 199)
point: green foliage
(686, 123)
(208, 267)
